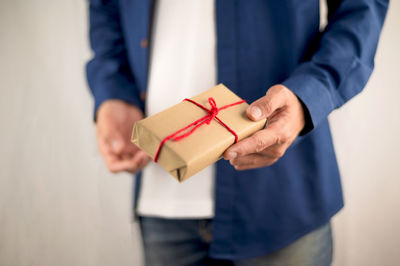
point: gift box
(194, 133)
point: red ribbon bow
(211, 114)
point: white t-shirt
(182, 64)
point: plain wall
(58, 204)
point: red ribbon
(211, 114)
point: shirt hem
(176, 209)
(261, 251)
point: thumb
(117, 144)
(274, 99)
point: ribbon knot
(210, 116)
(213, 111)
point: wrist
(117, 105)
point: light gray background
(58, 204)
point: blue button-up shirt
(259, 43)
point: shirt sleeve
(108, 72)
(344, 60)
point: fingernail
(231, 155)
(255, 112)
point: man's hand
(115, 120)
(285, 121)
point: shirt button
(144, 43)
(143, 96)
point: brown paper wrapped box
(203, 147)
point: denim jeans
(186, 242)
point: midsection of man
(182, 64)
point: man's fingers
(104, 147)
(130, 164)
(116, 145)
(255, 160)
(145, 159)
(252, 161)
(112, 161)
(122, 165)
(139, 161)
(253, 144)
(274, 99)
(110, 143)
(121, 156)
(115, 119)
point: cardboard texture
(186, 157)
